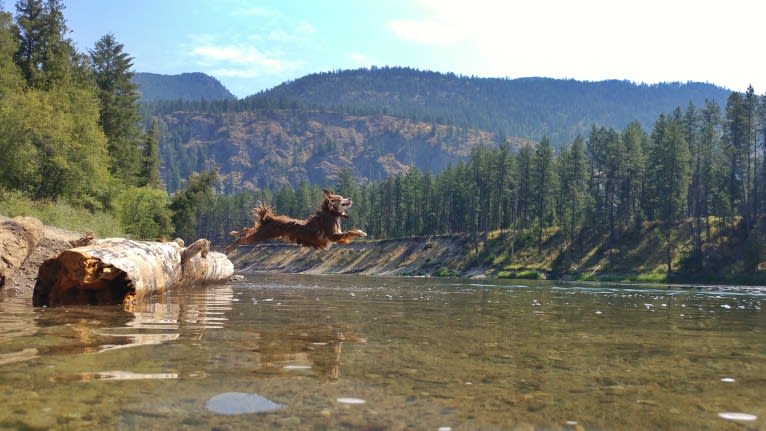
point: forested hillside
(530, 108)
(377, 122)
(265, 149)
(185, 86)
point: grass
(60, 215)
(524, 274)
(444, 272)
(645, 277)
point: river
(344, 352)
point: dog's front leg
(347, 237)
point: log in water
(115, 270)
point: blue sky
(254, 45)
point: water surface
(370, 353)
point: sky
(250, 46)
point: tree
(44, 55)
(668, 175)
(150, 161)
(10, 74)
(524, 200)
(634, 146)
(573, 179)
(761, 131)
(543, 186)
(751, 111)
(144, 213)
(17, 153)
(607, 155)
(192, 203)
(502, 170)
(736, 135)
(119, 115)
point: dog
(318, 231)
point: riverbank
(53, 241)
(639, 256)
(415, 256)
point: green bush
(444, 272)
(525, 274)
(145, 212)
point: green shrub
(525, 274)
(145, 212)
(444, 272)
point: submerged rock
(237, 403)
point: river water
(283, 352)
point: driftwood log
(117, 270)
(18, 238)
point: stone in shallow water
(348, 400)
(737, 416)
(237, 403)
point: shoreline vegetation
(637, 257)
(457, 255)
(494, 255)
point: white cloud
(237, 50)
(423, 31)
(251, 11)
(306, 28)
(590, 39)
(359, 59)
(240, 61)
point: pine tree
(634, 142)
(736, 135)
(119, 117)
(751, 111)
(573, 179)
(150, 160)
(524, 200)
(502, 168)
(190, 204)
(669, 175)
(713, 177)
(10, 74)
(543, 190)
(44, 55)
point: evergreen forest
(74, 133)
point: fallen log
(18, 238)
(118, 270)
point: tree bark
(118, 270)
(18, 238)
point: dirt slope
(402, 256)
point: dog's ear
(327, 194)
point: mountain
(527, 107)
(380, 121)
(186, 86)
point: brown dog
(318, 231)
